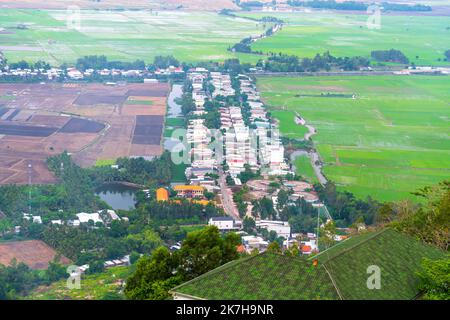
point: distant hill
(341, 273)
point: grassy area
(122, 35)
(191, 228)
(304, 168)
(422, 39)
(103, 286)
(390, 140)
(105, 162)
(178, 173)
(175, 122)
(289, 129)
(139, 102)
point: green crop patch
(423, 39)
(124, 35)
(389, 140)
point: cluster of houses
(222, 84)
(73, 73)
(306, 244)
(203, 160)
(104, 217)
(198, 76)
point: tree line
(357, 6)
(390, 56)
(290, 63)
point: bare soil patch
(34, 253)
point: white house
(282, 228)
(223, 223)
(84, 217)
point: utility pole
(318, 226)
(29, 187)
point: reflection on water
(118, 196)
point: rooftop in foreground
(341, 272)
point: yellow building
(162, 194)
(188, 191)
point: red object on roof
(306, 249)
(240, 248)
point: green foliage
(205, 250)
(16, 280)
(101, 62)
(345, 208)
(263, 208)
(152, 276)
(390, 56)
(144, 242)
(201, 252)
(435, 279)
(431, 221)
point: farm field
(121, 35)
(34, 253)
(392, 139)
(107, 285)
(93, 122)
(304, 168)
(423, 39)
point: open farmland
(423, 39)
(92, 121)
(391, 139)
(121, 35)
(34, 253)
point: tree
(447, 55)
(274, 247)
(205, 249)
(144, 242)
(435, 279)
(55, 271)
(147, 282)
(249, 225)
(430, 223)
(202, 251)
(327, 234)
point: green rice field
(423, 39)
(304, 168)
(388, 141)
(122, 35)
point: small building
(189, 191)
(282, 228)
(162, 194)
(84, 217)
(225, 223)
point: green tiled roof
(398, 256)
(266, 276)
(341, 273)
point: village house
(224, 223)
(189, 191)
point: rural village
(264, 150)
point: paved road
(227, 197)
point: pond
(118, 196)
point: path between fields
(313, 155)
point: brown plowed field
(91, 121)
(34, 253)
